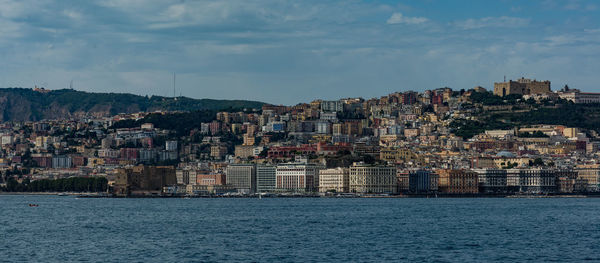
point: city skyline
(288, 52)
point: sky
(287, 52)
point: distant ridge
(21, 104)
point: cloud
(503, 21)
(592, 31)
(576, 5)
(285, 51)
(398, 18)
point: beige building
(400, 155)
(458, 181)
(373, 179)
(589, 175)
(244, 151)
(249, 140)
(500, 162)
(335, 179)
(521, 86)
(411, 132)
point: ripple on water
(292, 230)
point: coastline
(104, 195)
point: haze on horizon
(285, 52)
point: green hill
(19, 104)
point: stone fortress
(522, 86)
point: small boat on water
(62, 194)
(33, 205)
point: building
(492, 180)
(62, 162)
(297, 177)
(143, 180)
(566, 181)
(403, 181)
(218, 151)
(171, 145)
(332, 106)
(210, 179)
(454, 181)
(580, 97)
(400, 155)
(373, 179)
(244, 151)
(589, 175)
(249, 139)
(537, 181)
(419, 181)
(185, 176)
(266, 179)
(521, 86)
(334, 180)
(242, 177)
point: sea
(71, 229)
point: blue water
(66, 229)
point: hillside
(522, 113)
(19, 104)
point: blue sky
(296, 51)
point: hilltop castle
(521, 86)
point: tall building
(521, 86)
(242, 177)
(373, 179)
(335, 179)
(297, 177)
(455, 181)
(266, 179)
(419, 181)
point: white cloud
(503, 21)
(398, 18)
(73, 14)
(592, 31)
(578, 6)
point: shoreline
(45, 193)
(104, 195)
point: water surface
(299, 229)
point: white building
(373, 179)
(335, 179)
(580, 97)
(297, 177)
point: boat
(33, 205)
(62, 194)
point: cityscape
(432, 143)
(300, 131)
